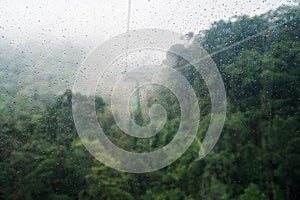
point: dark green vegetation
(257, 156)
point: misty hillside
(257, 156)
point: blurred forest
(256, 158)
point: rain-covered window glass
(150, 99)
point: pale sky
(93, 21)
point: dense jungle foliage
(257, 156)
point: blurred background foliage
(256, 157)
